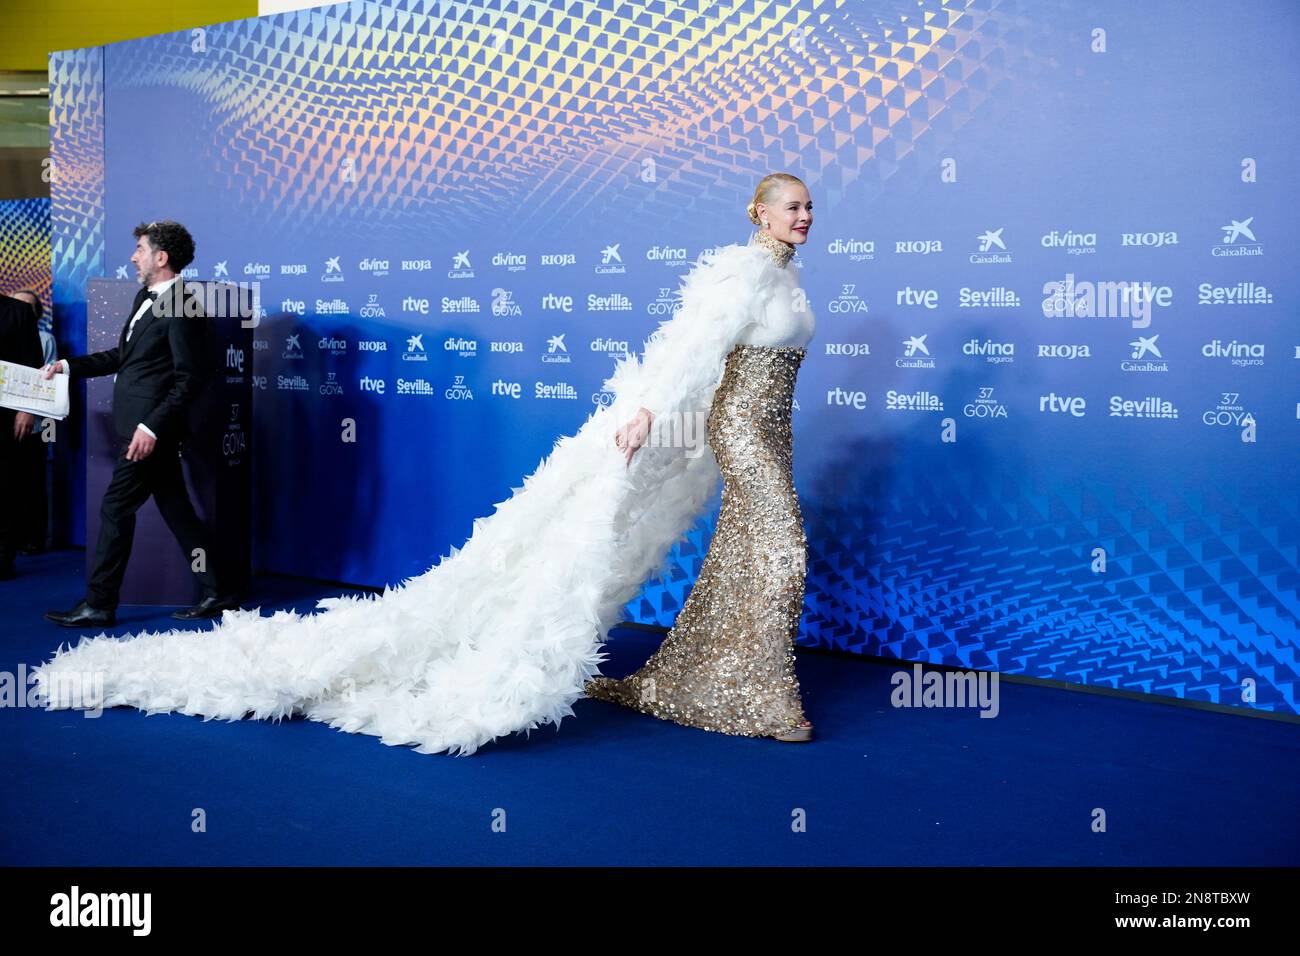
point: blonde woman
(728, 662)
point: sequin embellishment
(727, 664)
(782, 252)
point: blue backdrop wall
(1049, 420)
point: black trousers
(34, 522)
(133, 482)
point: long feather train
(502, 633)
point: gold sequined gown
(727, 664)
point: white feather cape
(501, 634)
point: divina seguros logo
(855, 250)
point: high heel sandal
(795, 735)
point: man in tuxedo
(20, 343)
(159, 370)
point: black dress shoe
(83, 615)
(208, 607)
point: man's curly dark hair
(169, 237)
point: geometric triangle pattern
(25, 249)
(76, 178)
(396, 114)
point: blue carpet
(879, 786)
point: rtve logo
(1071, 405)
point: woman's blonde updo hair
(766, 192)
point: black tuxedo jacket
(20, 343)
(160, 371)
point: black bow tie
(151, 295)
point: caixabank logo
(1145, 356)
(1238, 240)
(333, 270)
(991, 249)
(916, 353)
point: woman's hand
(633, 435)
